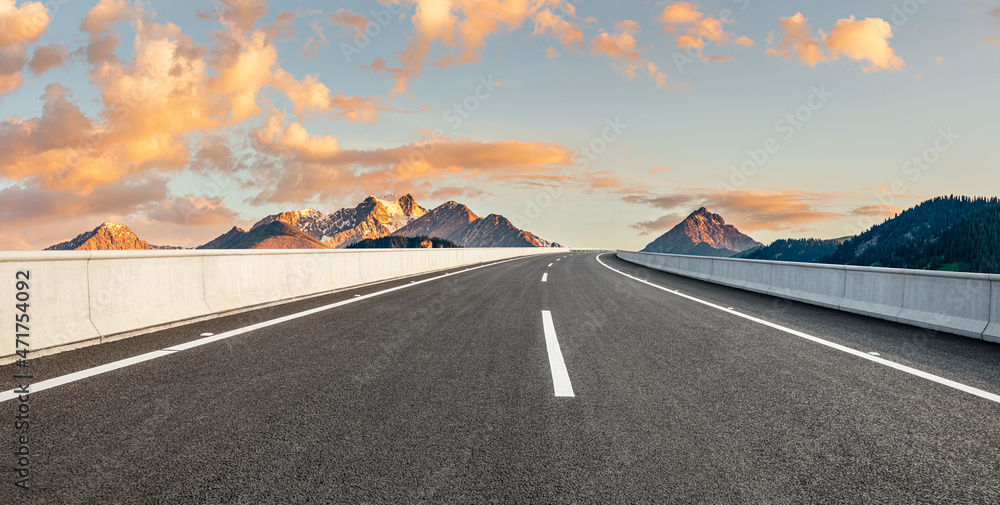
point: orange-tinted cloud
(47, 57)
(569, 34)
(864, 40)
(22, 24)
(659, 225)
(191, 210)
(348, 19)
(621, 46)
(19, 26)
(797, 41)
(694, 30)
(876, 211)
(992, 41)
(461, 27)
(681, 13)
(318, 167)
(168, 107)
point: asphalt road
(444, 392)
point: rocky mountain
(274, 235)
(703, 234)
(107, 236)
(372, 218)
(309, 221)
(457, 223)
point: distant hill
(703, 234)
(275, 235)
(403, 243)
(913, 227)
(808, 250)
(970, 245)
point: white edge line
(861, 354)
(98, 370)
(560, 376)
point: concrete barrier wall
(80, 298)
(993, 330)
(963, 304)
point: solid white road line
(560, 377)
(545, 277)
(90, 372)
(861, 354)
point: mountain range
(371, 219)
(703, 234)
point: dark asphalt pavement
(443, 393)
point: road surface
(541, 380)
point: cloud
(681, 13)
(191, 210)
(318, 167)
(19, 27)
(315, 42)
(348, 19)
(694, 30)
(860, 40)
(797, 41)
(168, 107)
(551, 53)
(569, 35)
(876, 211)
(992, 41)
(867, 40)
(243, 14)
(33, 204)
(24, 24)
(659, 225)
(621, 46)
(460, 29)
(47, 57)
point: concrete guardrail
(959, 303)
(81, 298)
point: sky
(586, 122)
